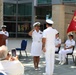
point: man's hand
(43, 46)
(44, 49)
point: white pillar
(58, 15)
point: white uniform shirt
(57, 41)
(36, 48)
(37, 36)
(70, 43)
(49, 34)
(5, 33)
(12, 67)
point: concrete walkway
(69, 69)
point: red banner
(72, 26)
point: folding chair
(23, 47)
(70, 54)
(56, 52)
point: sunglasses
(37, 26)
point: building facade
(19, 15)
(62, 13)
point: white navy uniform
(57, 42)
(49, 34)
(12, 67)
(5, 33)
(63, 53)
(36, 49)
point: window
(9, 9)
(69, 0)
(25, 9)
(18, 25)
(24, 27)
(41, 12)
(44, 1)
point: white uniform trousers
(63, 53)
(56, 48)
(49, 57)
(7, 42)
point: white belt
(37, 41)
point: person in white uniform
(36, 49)
(68, 46)
(10, 65)
(57, 42)
(49, 46)
(5, 33)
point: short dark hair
(4, 27)
(49, 24)
(71, 36)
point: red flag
(72, 26)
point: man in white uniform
(68, 47)
(10, 65)
(49, 46)
(5, 33)
(57, 42)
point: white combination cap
(36, 23)
(49, 21)
(70, 33)
(3, 26)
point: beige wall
(69, 12)
(62, 16)
(58, 15)
(1, 13)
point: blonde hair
(3, 52)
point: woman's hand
(30, 33)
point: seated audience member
(8, 64)
(68, 47)
(57, 42)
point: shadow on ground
(59, 69)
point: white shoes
(36, 69)
(61, 63)
(45, 74)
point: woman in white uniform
(67, 49)
(36, 48)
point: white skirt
(36, 48)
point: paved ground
(69, 69)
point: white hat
(49, 21)
(36, 23)
(3, 26)
(70, 33)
